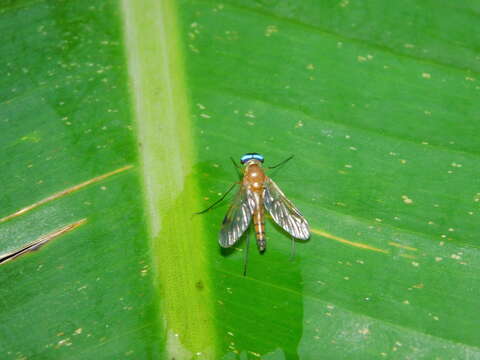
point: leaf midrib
(165, 151)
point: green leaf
(118, 121)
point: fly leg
(292, 257)
(282, 162)
(224, 195)
(216, 202)
(239, 169)
(245, 258)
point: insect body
(258, 192)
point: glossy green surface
(379, 104)
(65, 118)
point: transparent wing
(238, 218)
(284, 212)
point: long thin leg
(245, 258)
(216, 202)
(293, 249)
(281, 163)
(239, 170)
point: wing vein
(284, 213)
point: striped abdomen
(259, 225)
(254, 180)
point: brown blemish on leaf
(391, 243)
(348, 242)
(63, 193)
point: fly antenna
(282, 162)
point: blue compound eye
(245, 158)
(250, 156)
(258, 157)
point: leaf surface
(118, 120)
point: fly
(258, 192)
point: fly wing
(284, 212)
(238, 217)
